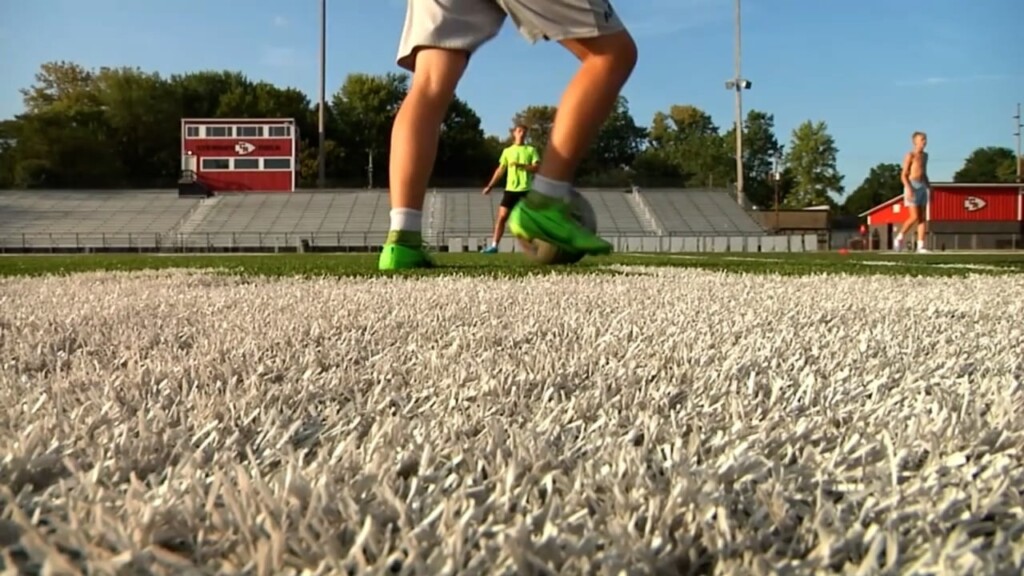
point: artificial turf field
(363, 265)
(678, 422)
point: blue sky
(874, 70)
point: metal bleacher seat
(355, 218)
(346, 217)
(699, 212)
(369, 213)
(467, 213)
(90, 218)
(615, 213)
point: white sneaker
(897, 245)
(923, 251)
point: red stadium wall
(891, 212)
(961, 216)
(254, 181)
(974, 204)
(958, 203)
(241, 154)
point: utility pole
(321, 161)
(369, 167)
(1018, 127)
(776, 177)
(738, 84)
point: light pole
(369, 167)
(738, 84)
(1017, 134)
(321, 160)
(776, 177)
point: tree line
(120, 127)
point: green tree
(200, 93)
(66, 149)
(65, 138)
(610, 160)
(987, 165)
(120, 126)
(538, 120)
(462, 154)
(61, 85)
(8, 160)
(760, 147)
(309, 170)
(812, 159)
(654, 167)
(144, 122)
(491, 150)
(265, 100)
(882, 183)
(687, 138)
(365, 109)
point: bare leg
(907, 225)
(910, 221)
(499, 224)
(607, 63)
(415, 134)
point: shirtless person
(916, 188)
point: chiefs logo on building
(973, 203)
(244, 148)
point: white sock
(407, 219)
(552, 188)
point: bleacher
(98, 219)
(700, 212)
(463, 211)
(454, 219)
(616, 216)
(345, 218)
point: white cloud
(280, 22)
(941, 80)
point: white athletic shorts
(468, 24)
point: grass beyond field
(359, 265)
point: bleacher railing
(198, 242)
(320, 241)
(648, 214)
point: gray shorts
(468, 24)
(916, 194)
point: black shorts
(510, 199)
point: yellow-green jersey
(519, 179)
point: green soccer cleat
(396, 256)
(550, 219)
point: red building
(960, 217)
(223, 154)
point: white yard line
(925, 264)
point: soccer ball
(542, 252)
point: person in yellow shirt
(520, 161)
